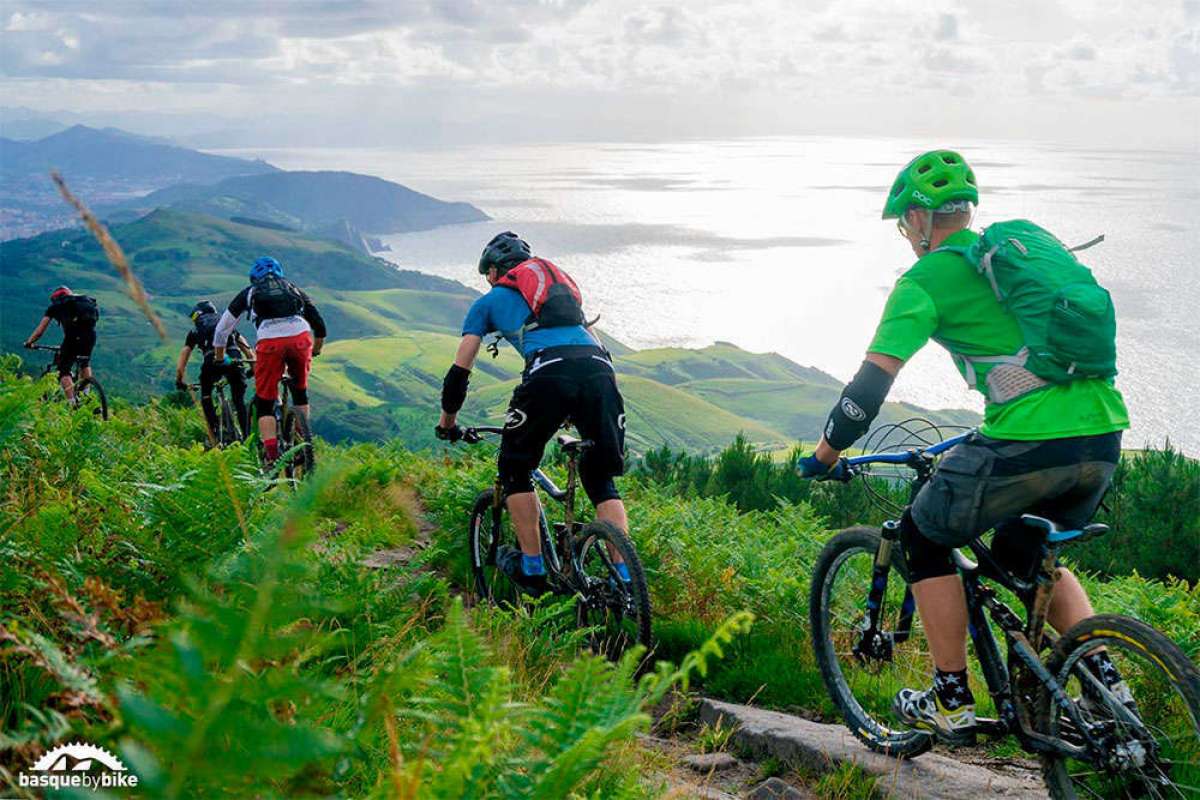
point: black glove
(180, 385)
(810, 467)
(452, 434)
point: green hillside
(392, 334)
(314, 200)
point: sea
(776, 244)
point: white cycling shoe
(924, 711)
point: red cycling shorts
(292, 352)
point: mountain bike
(293, 431)
(228, 430)
(1091, 743)
(87, 391)
(580, 557)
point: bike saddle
(573, 445)
(1057, 535)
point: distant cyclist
(1046, 446)
(77, 314)
(568, 374)
(204, 318)
(289, 331)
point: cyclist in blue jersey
(568, 375)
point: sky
(359, 72)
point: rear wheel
(227, 429)
(617, 610)
(862, 681)
(1148, 730)
(490, 528)
(89, 393)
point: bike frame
(1024, 640)
(564, 572)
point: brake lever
(471, 436)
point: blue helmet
(265, 266)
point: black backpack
(206, 328)
(82, 311)
(272, 297)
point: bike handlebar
(51, 347)
(907, 456)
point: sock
(952, 689)
(623, 571)
(533, 565)
(1100, 665)
(271, 446)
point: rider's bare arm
(468, 351)
(827, 453)
(38, 331)
(181, 364)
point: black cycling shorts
(76, 346)
(575, 382)
(986, 483)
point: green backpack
(1065, 316)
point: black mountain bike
(88, 391)
(1092, 742)
(228, 430)
(579, 558)
(292, 429)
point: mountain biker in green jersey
(1050, 450)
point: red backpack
(554, 299)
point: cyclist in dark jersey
(1050, 450)
(204, 319)
(568, 374)
(77, 315)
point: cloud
(602, 68)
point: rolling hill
(315, 201)
(393, 332)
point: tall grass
(222, 635)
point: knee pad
(265, 408)
(599, 489)
(515, 478)
(299, 396)
(598, 481)
(926, 558)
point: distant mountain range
(341, 205)
(87, 153)
(101, 166)
(123, 176)
(392, 335)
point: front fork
(874, 644)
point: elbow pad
(858, 406)
(454, 388)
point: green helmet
(929, 181)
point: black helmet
(504, 252)
(202, 308)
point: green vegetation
(162, 600)
(225, 638)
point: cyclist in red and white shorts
(289, 332)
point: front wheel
(1146, 725)
(617, 611)
(89, 392)
(491, 527)
(228, 432)
(862, 674)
